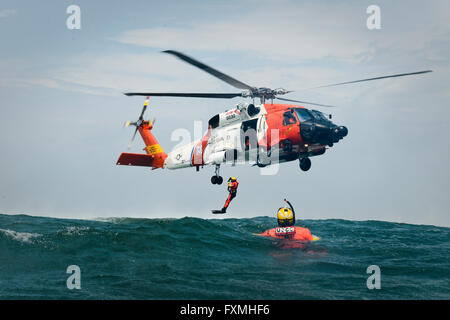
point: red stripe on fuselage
(199, 149)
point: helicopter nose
(337, 133)
(343, 131)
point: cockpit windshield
(319, 115)
(302, 114)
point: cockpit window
(319, 115)
(214, 121)
(289, 118)
(303, 114)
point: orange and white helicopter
(262, 134)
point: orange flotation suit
(292, 233)
(232, 189)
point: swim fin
(219, 211)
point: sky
(62, 109)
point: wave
(19, 236)
(192, 258)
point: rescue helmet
(285, 217)
(233, 178)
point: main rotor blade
(306, 102)
(376, 78)
(216, 73)
(192, 95)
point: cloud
(114, 73)
(291, 31)
(291, 45)
(273, 31)
(121, 72)
(7, 12)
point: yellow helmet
(285, 217)
(233, 179)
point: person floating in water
(232, 190)
(286, 227)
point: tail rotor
(138, 123)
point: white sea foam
(73, 230)
(20, 236)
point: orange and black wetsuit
(232, 189)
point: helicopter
(261, 134)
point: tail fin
(155, 156)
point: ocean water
(191, 258)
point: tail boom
(155, 156)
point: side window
(303, 114)
(288, 118)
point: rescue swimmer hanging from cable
(261, 134)
(232, 189)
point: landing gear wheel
(216, 180)
(305, 164)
